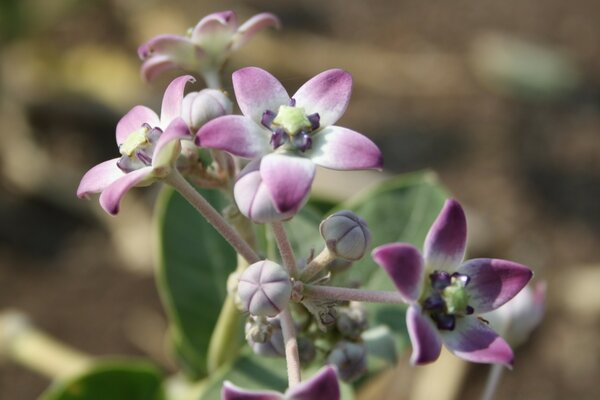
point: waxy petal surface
(343, 149)
(172, 99)
(235, 134)
(424, 337)
(288, 179)
(327, 94)
(166, 45)
(474, 341)
(232, 392)
(444, 247)
(404, 264)
(99, 177)
(253, 25)
(168, 146)
(155, 66)
(257, 91)
(323, 385)
(111, 196)
(225, 21)
(133, 121)
(493, 282)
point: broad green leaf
(114, 380)
(194, 262)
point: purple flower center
(447, 298)
(291, 128)
(138, 148)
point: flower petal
(493, 282)
(225, 21)
(133, 121)
(99, 177)
(172, 99)
(235, 134)
(173, 46)
(232, 392)
(474, 341)
(155, 66)
(257, 91)
(343, 149)
(424, 337)
(404, 264)
(444, 247)
(111, 196)
(253, 25)
(323, 385)
(327, 94)
(168, 146)
(288, 178)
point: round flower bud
(264, 288)
(264, 336)
(197, 108)
(346, 235)
(350, 359)
(352, 321)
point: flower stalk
(292, 357)
(349, 294)
(285, 248)
(317, 264)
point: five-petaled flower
(446, 294)
(324, 385)
(205, 48)
(149, 145)
(286, 137)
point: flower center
(137, 149)
(291, 127)
(447, 298)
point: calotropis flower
(149, 145)
(324, 385)
(289, 136)
(205, 48)
(446, 294)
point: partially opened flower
(324, 385)
(290, 136)
(149, 145)
(205, 48)
(446, 294)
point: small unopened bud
(346, 235)
(200, 107)
(350, 360)
(352, 321)
(264, 336)
(264, 288)
(306, 350)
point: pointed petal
(235, 134)
(253, 25)
(327, 94)
(474, 341)
(424, 337)
(133, 121)
(343, 149)
(173, 46)
(444, 247)
(404, 264)
(155, 66)
(232, 392)
(168, 146)
(99, 177)
(493, 282)
(111, 196)
(323, 385)
(257, 91)
(288, 179)
(225, 21)
(172, 99)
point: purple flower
(446, 294)
(323, 385)
(205, 48)
(286, 137)
(149, 145)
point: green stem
(226, 339)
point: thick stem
(212, 216)
(493, 380)
(292, 358)
(318, 264)
(347, 294)
(285, 249)
(212, 79)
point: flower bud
(264, 336)
(352, 321)
(306, 350)
(264, 288)
(350, 359)
(200, 107)
(346, 235)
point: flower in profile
(286, 138)
(206, 47)
(323, 385)
(148, 144)
(446, 295)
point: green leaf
(194, 262)
(114, 380)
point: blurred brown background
(500, 98)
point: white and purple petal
(253, 25)
(404, 264)
(172, 99)
(493, 282)
(323, 385)
(257, 91)
(224, 21)
(424, 337)
(235, 134)
(112, 195)
(173, 46)
(288, 178)
(343, 149)
(444, 247)
(155, 66)
(232, 392)
(327, 94)
(168, 145)
(99, 177)
(473, 340)
(133, 121)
